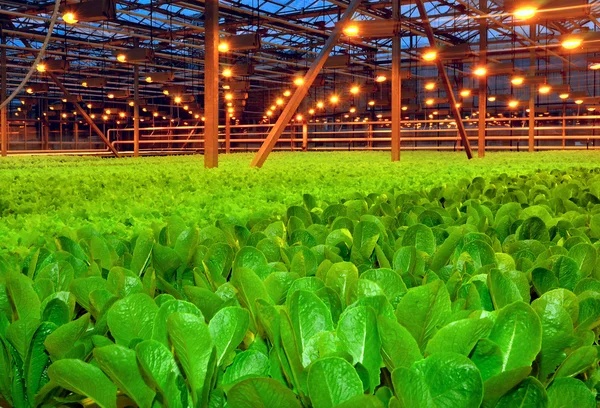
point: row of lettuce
(481, 293)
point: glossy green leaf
(332, 381)
(227, 329)
(261, 393)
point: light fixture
(287, 93)
(186, 107)
(279, 102)
(465, 93)
(111, 95)
(429, 101)
(355, 89)
(122, 114)
(430, 86)
(405, 108)
(578, 101)
(149, 79)
(517, 80)
(70, 18)
(155, 114)
(118, 94)
(571, 42)
(371, 102)
(429, 55)
(311, 111)
(351, 30)
(223, 46)
(299, 117)
(105, 117)
(513, 103)
(228, 96)
(458, 105)
(93, 82)
(594, 65)
(491, 99)
(591, 109)
(131, 103)
(273, 107)
(320, 105)
(121, 57)
(230, 110)
(525, 12)
(563, 95)
(269, 113)
(93, 116)
(480, 71)
(352, 109)
(177, 99)
(544, 89)
(107, 111)
(196, 116)
(299, 80)
(334, 99)
(380, 77)
(89, 106)
(227, 73)
(41, 67)
(136, 54)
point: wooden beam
(445, 81)
(483, 33)
(211, 84)
(396, 85)
(531, 130)
(136, 111)
(4, 112)
(301, 91)
(227, 134)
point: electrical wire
(37, 59)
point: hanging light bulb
(492, 98)
(105, 117)
(131, 103)
(371, 102)
(122, 114)
(149, 79)
(228, 96)
(269, 113)
(355, 89)
(429, 101)
(107, 111)
(465, 93)
(513, 103)
(287, 93)
(594, 66)
(351, 30)
(177, 99)
(121, 57)
(89, 106)
(111, 95)
(186, 107)
(544, 89)
(564, 95)
(223, 46)
(517, 80)
(578, 101)
(480, 71)
(430, 86)
(41, 67)
(279, 102)
(429, 55)
(93, 116)
(381, 77)
(299, 117)
(334, 99)
(320, 105)
(298, 81)
(70, 18)
(405, 108)
(227, 73)
(311, 111)
(571, 42)
(525, 12)
(352, 109)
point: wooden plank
(301, 91)
(483, 33)
(211, 84)
(445, 81)
(396, 85)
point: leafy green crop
(481, 292)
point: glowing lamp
(351, 30)
(513, 104)
(279, 102)
(525, 12)
(223, 47)
(465, 93)
(354, 90)
(578, 101)
(287, 93)
(177, 99)
(41, 67)
(320, 105)
(480, 71)
(571, 43)
(564, 95)
(121, 57)
(298, 81)
(518, 80)
(430, 55)
(227, 73)
(334, 99)
(430, 86)
(544, 89)
(70, 18)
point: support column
(483, 32)
(531, 130)
(445, 81)
(4, 112)
(211, 84)
(227, 134)
(136, 110)
(304, 136)
(302, 90)
(396, 86)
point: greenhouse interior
(300, 204)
